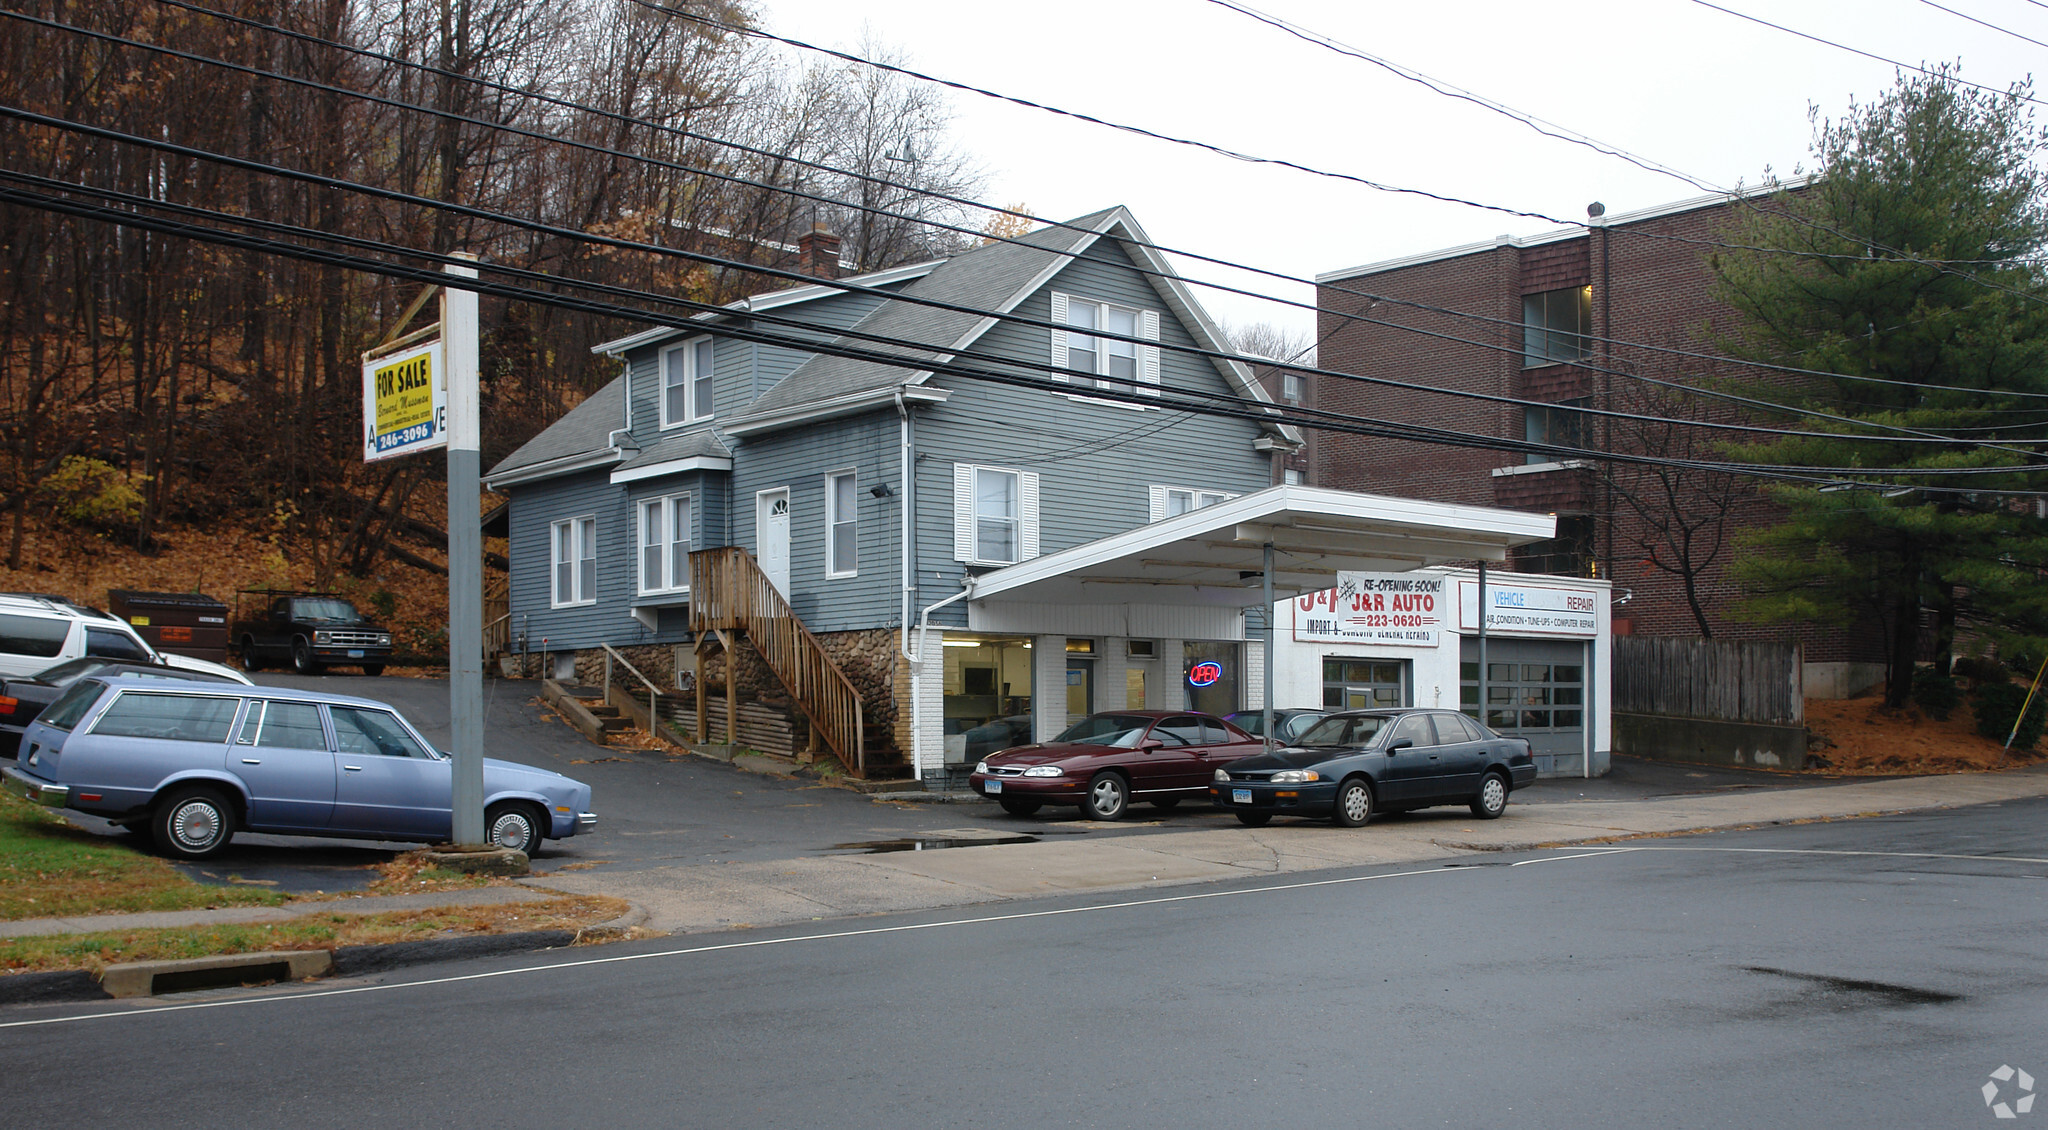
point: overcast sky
(1711, 95)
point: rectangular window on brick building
(1555, 324)
(1569, 554)
(1557, 426)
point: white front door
(771, 537)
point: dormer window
(686, 373)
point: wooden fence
(1711, 679)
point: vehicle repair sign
(1535, 610)
(405, 402)
(1398, 609)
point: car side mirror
(1150, 744)
(1404, 743)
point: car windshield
(326, 610)
(1354, 730)
(1107, 729)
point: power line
(1907, 436)
(1865, 54)
(1208, 404)
(963, 201)
(1983, 23)
(1751, 402)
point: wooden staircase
(730, 594)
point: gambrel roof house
(734, 485)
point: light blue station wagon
(195, 763)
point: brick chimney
(817, 252)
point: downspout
(907, 466)
(917, 671)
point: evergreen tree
(1916, 248)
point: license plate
(1240, 796)
(355, 653)
(994, 787)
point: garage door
(1535, 689)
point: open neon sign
(1205, 674)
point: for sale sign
(1386, 609)
(405, 402)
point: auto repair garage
(1414, 639)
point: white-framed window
(1169, 501)
(1291, 476)
(686, 373)
(665, 525)
(842, 524)
(1105, 362)
(995, 514)
(1291, 387)
(575, 562)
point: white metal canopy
(1214, 556)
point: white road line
(1871, 854)
(1581, 855)
(755, 944)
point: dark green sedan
(1351, 765)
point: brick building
(1587, 316)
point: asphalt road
(1870, 973)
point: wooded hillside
(151, 382)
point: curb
(924, 797)
(71, 986)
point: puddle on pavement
(928, 843)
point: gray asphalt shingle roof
(697, 442)
(987, 278)
(583, 429)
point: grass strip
(50, 869)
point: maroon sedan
(1106, 761)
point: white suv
(38, 631)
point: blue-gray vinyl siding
(741, 370)
(535, 510)
(800, 459)
(1096, 461)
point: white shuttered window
(1102, 361)
(995, 514)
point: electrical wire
(1983, 23)
(1907, 436)
(1866, 54)
(1207, 404)
(962, 201)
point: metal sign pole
(465, 559)
(1266, 700)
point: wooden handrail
(729, 591)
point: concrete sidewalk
(701, 898)
(1084, 857)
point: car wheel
(1354, 803)
(1492, 798)
(373, 669)
(1166, 804)
(1107, 797)
(1254, 819)
(1017, 806)
(193, 823)
(302, 658)
(251, 659)
(515, 826)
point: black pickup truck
(309, 630)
